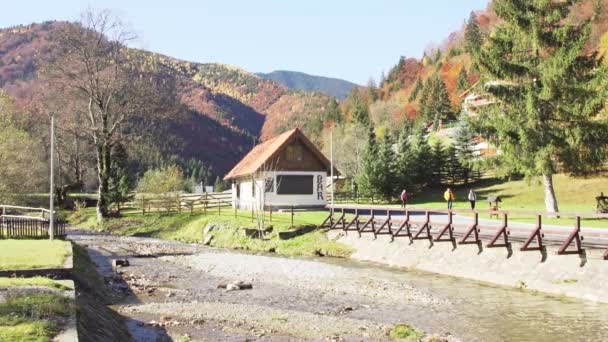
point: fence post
(219, 210)
(205, 204)
(292, 216)
(270, 214)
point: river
(323, 298)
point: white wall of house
(317, 196)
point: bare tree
(111, 83)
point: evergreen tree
(422, 173)
(550, 91)
(372, 90)
(119, 183)
(435, 104)
(465, 147)
(472, 35)
(462, 83)
(367, 179)
(360, 112)
(332, 112)
(387, 176)
(437, 162)
(453, 168)
(403, 166)
(417, 88)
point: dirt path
(170, 291)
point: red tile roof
(263, 152)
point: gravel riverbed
(170, 290)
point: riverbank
(170, 291)
(579, 276)
(222, 229)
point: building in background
(287, 170)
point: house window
(238, 190)
(294, 153)
(295, 185)
(253, 188)
(269, 184)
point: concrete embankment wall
(580, 276)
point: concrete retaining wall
(581, 276)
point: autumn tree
(112, 83)
(550, 91)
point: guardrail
(437, 225)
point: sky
(352, 40)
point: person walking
(449, 196)
(403, 198)
(472, 198)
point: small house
(287, 170)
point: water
(484, 312)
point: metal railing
(17, 222)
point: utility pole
(331, 157)
(51, 201)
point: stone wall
(581, 276)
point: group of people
(448, 195)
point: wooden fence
(436, 225)
(181, 202)
(18, 222)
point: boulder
(255, 233)
(208, 228)
(207, 240)
(290, 234)
(120, 263)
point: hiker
(403, 198)
(449, 196)
(472, 198)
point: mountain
(225, 109)
(300, 81)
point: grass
(30, 254)
(405, 332)
(228, 232)
(33, 317)
(35, 281)
(573, 195)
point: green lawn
(30, 254)
(35, 281)
(189, 228)
(33, 317)
(573, 195)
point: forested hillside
(224, 110)
(301, 81)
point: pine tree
(387, 179)
(462, 83)
(403, 165)
(367, 180)
(465, 147)
(453, 168)
(417, 88)
(372, 90)
(119, 184)
(422, 172)
(332, 112)
(550, 91)
(358, 109)
(472, 35)
(435, 105)
(437, 163)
